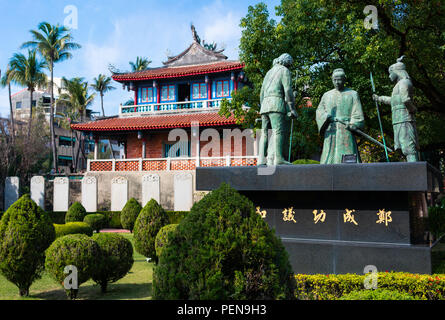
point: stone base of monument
(336, 219)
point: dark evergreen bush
(436, 221)
(117, 258)
(223, 250)
(76, 213)
(76, 250)
(150, 220)
(162, 237)
(130, 213)
(26, 231)
(175, 217)
(113, 217)
(96, 221)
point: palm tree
(27, 72)
(140, 64)
(5, 81)
(54, 43)
(102, 84)
(78, 99)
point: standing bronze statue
(277, 107)
(403, 111)
(338, 116)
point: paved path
(115, 230)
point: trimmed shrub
(162, 237)
(117, 258)
(57, 217)
(75, 213)
(96, 221)
(113, 217)
(26, 231)
(130, 213)
(73, 228)
(332, 287)
(223, 250)
(306, 161)
(150, 220)
(175, 217)
(76, 250)
(378, 294)
(436, 221)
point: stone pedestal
(38, 191)
(119, 193)
(12, 185)
(61, 194)
(89, 193)
(340, 218)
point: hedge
(73, 228)
(96, 221)
(57, 217)
(378, 294)
(113, 217)
(332, 287)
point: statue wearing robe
(337, 106)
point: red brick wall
(154, 147)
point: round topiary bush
(26, 231)
(73, 228)
(117, 258)
(378, 294)
(130, 213)
(76, 250)
(162, 237)
(76, 213)
(223, 250)
(150, 220)
(96, 221)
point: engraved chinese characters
(349, 216)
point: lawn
(136, 285)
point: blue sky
(117, 31)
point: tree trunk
(12, 116)
(74, 169)
(102, 103)
(51, 119)
(30, 113)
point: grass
(136, 285)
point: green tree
(324, 35)
(140, 64)
(27, 71)
(54, 43)
(102, 84)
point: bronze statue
(403, 111)
(339, 114)
(277, 107)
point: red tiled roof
(155, 122)
(176, 72)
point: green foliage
(117, 258)
(96, 221)
(378, 294)
(305, 161)
(150, 220)
(73, 228)
(223, 250)
(162, 237)
(175, 217)
(76, 213)
(76, 250)
(324, 35)
(26, 231)
(130, 213)
(57, 217)
(113, 217)
(332, 287)
(436, 221)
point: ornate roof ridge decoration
(180, 71)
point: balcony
(167, 164)
(169, 107)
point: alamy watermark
(371, 20)
(71, 281)
(371, 279)
(71, 21)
